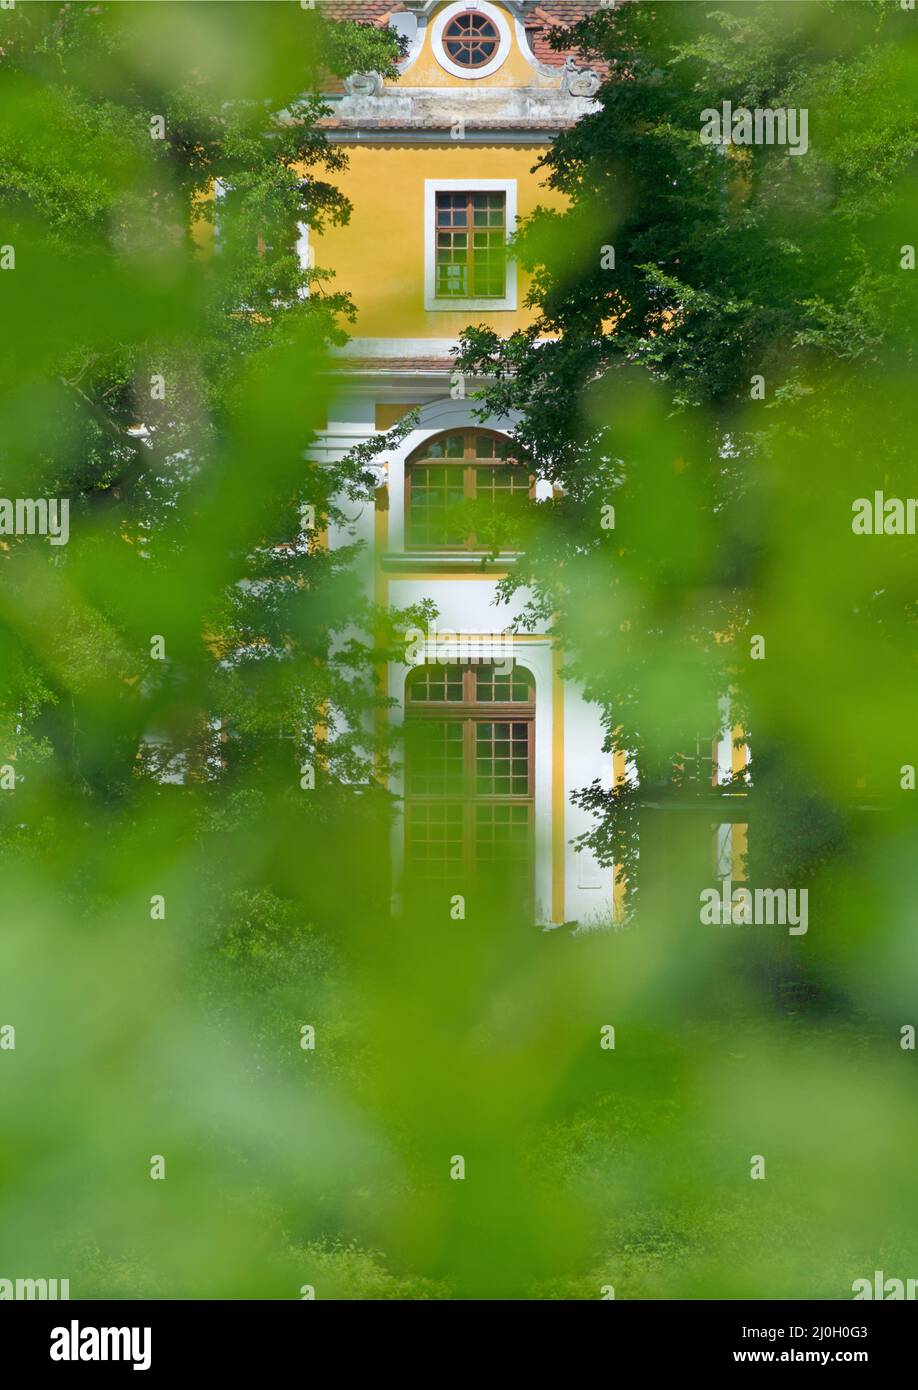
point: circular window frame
(487, 36)
(445, 17)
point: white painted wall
(587, 886)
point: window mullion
(470, 757)
(470, 485)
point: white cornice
(539, 106)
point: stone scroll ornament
(579, 82)
(363, 84)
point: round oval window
(471, 39)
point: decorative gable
(472, 65)
(538, 20)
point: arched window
(470, 774)
(471, 39)
(460, 487)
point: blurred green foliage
(176, 1030)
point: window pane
(435, 490)
(452, 209)
(493, 446)
(452, 267)
(488, 209)
(497, 686)
(502, 837)
(488, 263)
(502, 490)
(435, 839)
(450, 446)
(435, 683)
(502, 483)
(434, 757)
(502, 758)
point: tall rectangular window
(469, 775)
(471, 238)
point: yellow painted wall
(379, 256)
(388, 415)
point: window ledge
(489, 306)
(448, 562)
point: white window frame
(304, 252)
(498, 19)
(431, 188)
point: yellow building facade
(440, 170)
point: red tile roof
(558, 15)
(365, 11)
